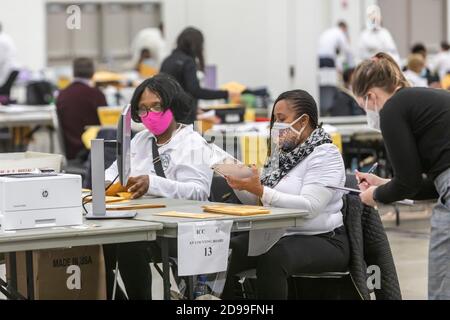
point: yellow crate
(254, 150)
(109, 116)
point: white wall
(251, 41)
(245, 39)
(24, 21)
(448, 20)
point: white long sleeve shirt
(441, 64)
(380, 40)
(186, 161)
(330, 41)
(415, 79)
(304, 187)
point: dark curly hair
(170, 92)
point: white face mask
(278, 127)
(373, 117)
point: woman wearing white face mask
(414, 123)
(300, 166)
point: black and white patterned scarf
(280, 163)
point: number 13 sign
(203, 247)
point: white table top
(278, 218)
(22, 115)
(90, 233)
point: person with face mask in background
(302, 161)
(185, 160)
(432, 78)
(414, 71)
(414, 123)
(375, 38)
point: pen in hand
(371, 170)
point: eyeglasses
(143, 111)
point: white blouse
(304, 187)
(186, 162)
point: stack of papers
(236, 210)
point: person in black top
(183, 64)
(414, 123)
(344, 104)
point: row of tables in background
(45, 116)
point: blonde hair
(379, 72)
(416, 63)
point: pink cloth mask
(157, 122)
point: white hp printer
(39, 201)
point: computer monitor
(123, 145)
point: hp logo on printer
(45, 194)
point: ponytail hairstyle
(379, 72)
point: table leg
(30, 278)
(397, 216)
(4, 290)
(13, 271)
(166, 267)
(52, 140)
(190, 287)
(11, 287)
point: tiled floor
(409, 244)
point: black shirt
(415, 124)
(184, 69)
(345, 105)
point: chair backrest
(350, 181)
(5, 89)
(39, 93)
(221, 191)
(110, 154)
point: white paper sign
(203, 247)
(260, 241)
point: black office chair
(5, 89)
(221, 191)
(110, 154)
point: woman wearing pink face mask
(181, 171)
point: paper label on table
(260, 241)
(203, 247)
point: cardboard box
(22, 162)
(63, 274)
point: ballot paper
(347, 190)
(234, 170)
(225, 164)
(405, 202)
